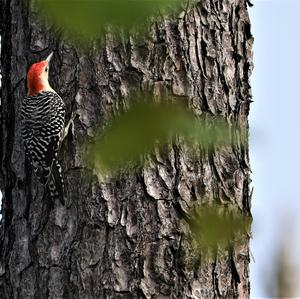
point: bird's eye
(46, 69)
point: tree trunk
(124, 238)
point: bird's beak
(49, 57)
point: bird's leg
(70, 122)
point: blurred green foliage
(286, 274)
(147, 125)
(88, 18)
(216, 228)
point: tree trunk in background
(123, 238)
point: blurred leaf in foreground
(217, 228)
(285, 279)
(88, 18)
(146, 125)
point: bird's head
(37, 77)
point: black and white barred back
(43, 118)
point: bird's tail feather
(55, 184)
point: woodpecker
(43, 118)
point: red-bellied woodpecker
(43, 118)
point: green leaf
(218, 227)
(146, 125)
(89, 18)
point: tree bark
(123, 238)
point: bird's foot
(70, 124)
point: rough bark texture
(123, 238)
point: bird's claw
(70, 123)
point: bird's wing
(43, 123)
